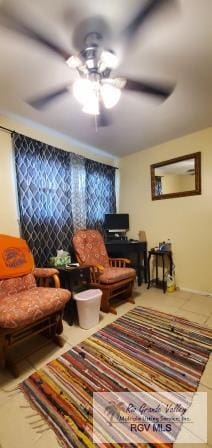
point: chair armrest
(119, 262)
(44, 274)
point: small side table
(75, 279)
(159, 254)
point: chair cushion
(113, 275)
(20, 309)
(90, 248)
(15, 285)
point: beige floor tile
(193, 317)
(208, 322)
(164, 308)
(187, 439)
(185, 294)
(47, 440)
(199, 304)
(206, 378)
(203, 388)
(41, 357)
(8, 382)
(175, 299)
(16, 430)
(190, 445)
(194, 431)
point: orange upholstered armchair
(111, 275)
(25, 308)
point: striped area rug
(144, 350)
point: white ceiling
(174, 46)
(177, 168)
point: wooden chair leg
(105, 302)
(2, 357)
(130, 298)
(59, 329)
(6, 362)
(57, 339)
(13, 368)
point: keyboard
(117, 241)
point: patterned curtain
(58, 193)
(43, 180)
(158, 185)
(78, 183)
(100, 193)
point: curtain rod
(12, 130)
(7, 129)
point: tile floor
(15, 417)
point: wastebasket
(88, 307)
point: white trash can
(88, 307)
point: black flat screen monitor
(116, 222)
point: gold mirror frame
(197, 167)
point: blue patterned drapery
(43, 182)
(158, 185)
(58, 192)
(78, 182)
(100, 192)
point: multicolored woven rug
(144, 350)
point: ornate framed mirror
(176, 177)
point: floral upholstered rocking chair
(109, 274)
(25, 308)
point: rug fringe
(42, 431)
(46, 426)
(33, 415)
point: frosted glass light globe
(110, 95)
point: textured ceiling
(175, 45)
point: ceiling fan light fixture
(92, 106)
(83, 90)
(108, 60)
(74, 62)
(110, 95)
(87, 93)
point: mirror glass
(176, 177)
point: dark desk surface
(122, 242)
(131, 249)
(160, 252)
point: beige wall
(174, 183)
(8, 202)
(186, 221)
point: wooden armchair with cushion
(109, 274)
(25, 308)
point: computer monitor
(116, 222)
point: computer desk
(135, 251)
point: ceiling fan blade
(145, 13)
(159, 90)
(43, 101)
(10, 21)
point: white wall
(187, 221)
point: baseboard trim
(194, 291)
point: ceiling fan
(95, 88)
